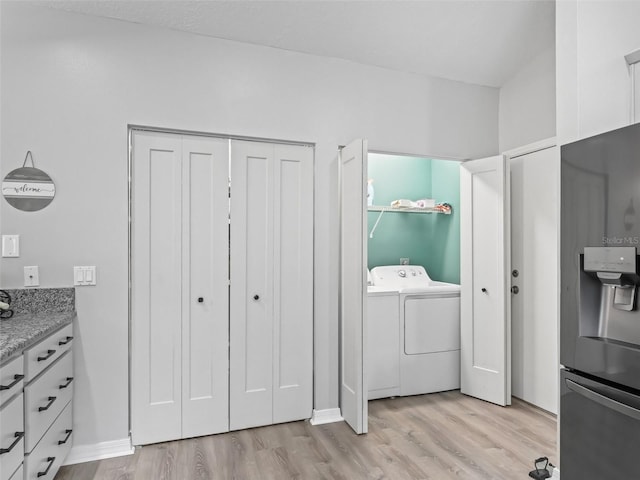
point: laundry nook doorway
(361, 305)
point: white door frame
(531, 148)
(131, 128)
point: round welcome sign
(28, 189)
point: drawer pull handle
(65, 341)
(46, 357)
(16, 379)
(51, 400)
(68, 432)
(18, 436)
(50, 460)
(65, 385)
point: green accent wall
(430, 240)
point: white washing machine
(429, 318)
(383, 342)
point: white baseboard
(99, 451)
(329, 415)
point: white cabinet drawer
(11, 378)
(43, 354)
(45, 397)
(19, 474)
(45, 460)
(11, 437)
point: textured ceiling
(475, 41)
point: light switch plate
(31, 276)
(10, 246)
(84, 275)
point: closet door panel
(251, 290)
(205, 301)
(293, 283)
(156, 294)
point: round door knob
(484, 290)
(200, 299)
(256, 297)
(515, 289)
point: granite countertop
(38, 313)
(23, 330)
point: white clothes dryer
(429, 314)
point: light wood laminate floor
(438, 436)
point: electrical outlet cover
(31, 276)
(10, 246)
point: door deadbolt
(515, 289)
(515, 273)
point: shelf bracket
(376, 224)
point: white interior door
(205, 288)
(485, 299)
(534, 255)
(271, 325)
(156, 361)
(179, 359)
(353, 266)
(293, 283)
(251, 291)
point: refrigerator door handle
(603, 400)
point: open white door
(353, 264)
(485, 302)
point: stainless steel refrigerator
(600, 318)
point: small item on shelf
(425, 203)
(401, 203)
(370, 192)
(443, 208)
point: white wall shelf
(383, 209)
(376, 208)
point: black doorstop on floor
(541, 472)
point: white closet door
(205, 294)
(534, 254)
(156, 399)
(293, 283)
(352, 298)
(251, 291)
(485, 306)
(271, 310)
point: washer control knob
(402, 273)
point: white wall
(527, 111)
(70, 86)
(593, 80)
